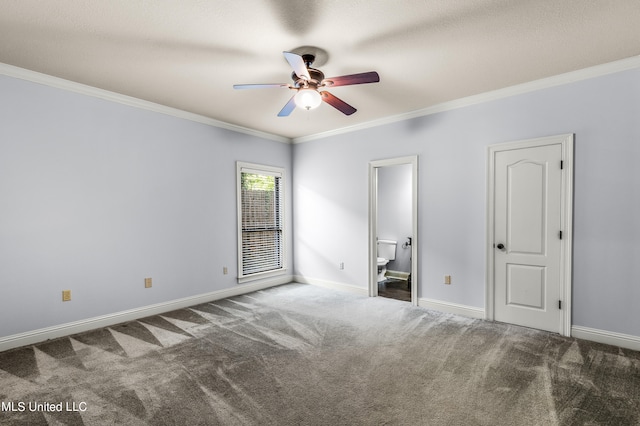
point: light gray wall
(394, 212)
(331, 193)
(95, 196)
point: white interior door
(528, 248)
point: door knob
(500, 246)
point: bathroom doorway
(393, 219)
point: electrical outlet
(66, 295)
(447, 279)
(147, 283)
(225, 270)
(341, 266)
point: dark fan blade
(337, 103)
(345, 80)
(290, 106)
(260, 86)
(298, 65)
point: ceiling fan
(309, 84)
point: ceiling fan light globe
(308, 99)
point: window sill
(261, 275)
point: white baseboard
(601, 336)
(40, 335)
(363, 291)
(608, 337)
(436, 305)
(452, 308)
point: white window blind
(261, 220)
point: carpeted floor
(302, 355)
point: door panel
(527, 214)
(526, 207)
(526, 286)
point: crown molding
(544, 83)
(83, 89)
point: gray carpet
(302, 355)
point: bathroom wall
(394, 212)
(331, 193)
(95, 196)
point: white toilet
(386, 252)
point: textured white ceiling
(187, 54)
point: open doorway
(393, 223)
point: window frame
(244, 167)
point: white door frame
(373, 222)
(566, 224)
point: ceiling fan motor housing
(316, 79)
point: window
(260, 221)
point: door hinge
(560, 235)
(559, 304)
(561, 164)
